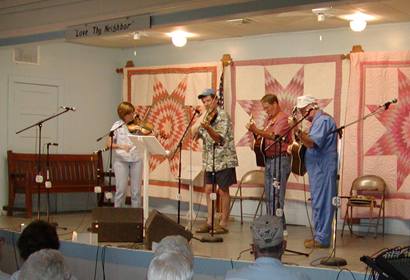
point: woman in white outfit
(128, 158)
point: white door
(30, 101)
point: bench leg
(12, 197)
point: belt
(278, 155)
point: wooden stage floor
(351, 248)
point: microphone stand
(179, 147)
(332, 260)
(279, 140)
(212, 238)
(111, 135)
(278, 211)
(48, 182)
(39, 178)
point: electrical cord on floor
(345, 269)
(243, 251)
(80, 224)
(314, 262)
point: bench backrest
(64, 169)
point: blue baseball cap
(206, 92)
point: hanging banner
(379, 145)
(166, 97)
(287, 78)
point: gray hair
(174, 243)
(170, 266)
(46, 264)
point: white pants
(124, 170)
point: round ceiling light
(358, 24)
(179, 38)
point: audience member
(3, 275)
(36, 236)
(170, 266)
(173, 259)
(268, 247)
(46, 264)
(174, 243)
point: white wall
(89, 83)
(389, 37)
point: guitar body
(298, 159)
(259, 153)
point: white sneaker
(285, 233)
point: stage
(236, 242)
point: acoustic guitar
(258, 146)
(259, 151)
(298, 158)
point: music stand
(151, 146)
(190, 175)
(108, 195)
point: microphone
(313, 107)
(68, 108)
(101, 150)
(387, 104)
(52, 144)
(196, 111)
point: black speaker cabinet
(118, 224)
(159, 226)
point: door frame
(13, 79)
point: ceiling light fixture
(358, 21)
(179, 38)
(239, 21)
(137, 35)
(321, 17)
(358, 24)
(321, 13)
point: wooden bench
(68, 173)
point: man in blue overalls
(321, 165)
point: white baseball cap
(304, 100)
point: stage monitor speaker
(159, 226)
(118, 224)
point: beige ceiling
(298, 19)
(204, 19)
